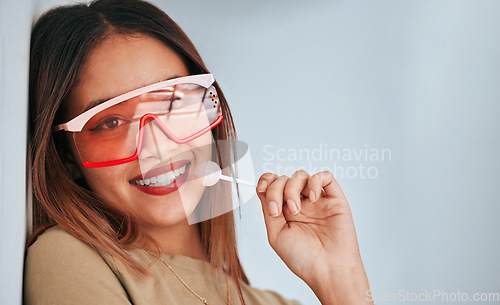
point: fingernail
(312, 196)
(262, 186)
(293, 207)
(273, 209)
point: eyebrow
(97, 102)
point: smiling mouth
(161, 179)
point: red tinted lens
(184, 110)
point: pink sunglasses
(112, 132)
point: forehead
(122, 63)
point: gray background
(419, 78)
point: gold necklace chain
(203, 300)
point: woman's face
(120, 64)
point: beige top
(61, 269)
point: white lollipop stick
(222, 177)
(209, 173)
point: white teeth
(163, 179)
(170, 175)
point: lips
(161, 170)
(162, 190)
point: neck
(181, 238)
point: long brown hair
(61, 40)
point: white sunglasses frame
(76, 124)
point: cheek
(103, 180)
(94, 177)
(206, 144)
(202, 147)
(68, 137)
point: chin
(163, 220)
(168, 214)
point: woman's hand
(314, 234)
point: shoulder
(56, 244)
(56, 250)
(61, 269)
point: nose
(155, 142)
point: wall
(15, 22)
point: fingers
(321, 184)
(265, 180)
(322, 181)
(270, 192)
(282, 188)
(274, 195)
(293, 190)
(273, 189)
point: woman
(115, 175)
